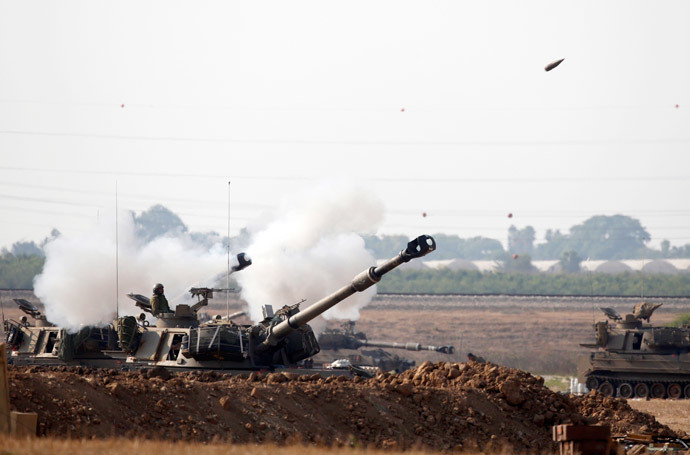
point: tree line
(446, 281)
(599, 237)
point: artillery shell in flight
(552, 65)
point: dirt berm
(438, 406)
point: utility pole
(4, 391)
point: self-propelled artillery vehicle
(42, 343)
(180, 341)
(282, 339)
(346, 343)
(637, 359)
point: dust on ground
(437, 406)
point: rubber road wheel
(606, 389)
(625, 390)
(658, 390)
(592, 383)
(641, 390)
(674, 391)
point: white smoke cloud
(311, 248)
(77, 285)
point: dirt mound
(441, 406)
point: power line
(45, 212)
(245, 218)
(49, 201)
(128, 196)
(486, 143)
(335, 108)
(374, 179)
(144, 174)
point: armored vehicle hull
(636, 359)
(630, 376)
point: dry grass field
(45, 446)
(675, 414)
(538, 336)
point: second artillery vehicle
(346, 342)
(637, 359)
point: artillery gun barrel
(408, 346)
(236, 315)
(421, 246)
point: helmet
(157, 287)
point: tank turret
(637, 359)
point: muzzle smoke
(310, 249)
(77, 284)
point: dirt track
(439, 406)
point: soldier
(159, 304)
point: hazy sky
(441, 108)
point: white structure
(636, 265)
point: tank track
(636, 387)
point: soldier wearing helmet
(159, 304)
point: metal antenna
(227, 279)
(591, 285)
(117, 259)
(642, 273)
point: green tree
(158, 221)
(521, 241)
(23, 248)
(446, 281)
(18, 272)
(516, 263)
(556, 244)
(609, 237)
(599, 237)
(384, 246)
(478, 248)
(570, 262)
